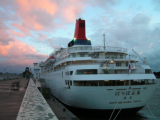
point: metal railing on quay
(9, 77)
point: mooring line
(119, 112)
(114, 108)
(148, 107)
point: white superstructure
(36, 71)
(96, 77)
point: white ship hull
(97, 97)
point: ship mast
(104, 41)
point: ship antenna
(104, 41)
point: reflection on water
(124, 117)
(144, 114)
(154, 105)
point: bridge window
(114, 56)
(148, 71)
(89, 55)
(107, 56)
(118, 64)
(73, 55)
(82, 55)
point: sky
(31, 29)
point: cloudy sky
(31, 29)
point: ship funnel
(79, 34)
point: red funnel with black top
(79, 34)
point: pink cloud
(12, 32)
(4, 49)
(19, 53)
(16, 48)
(27, 8)
(28, 5)
(42, 37)
(40, 15)
(4, 37)
(22, 28)
(37, 26)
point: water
(154, 105)
(143, 114)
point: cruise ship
(97, 78)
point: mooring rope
(118, 112)
(114, 108)
(148, 107)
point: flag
(129, 66)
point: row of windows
(120, 64)
(114, 56)
(106, 56)
(113, 82)
(81, 55)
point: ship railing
(98, 63)
(113, 73)
(140, 64)
(131, 56)
(97, 56)
(97, 48)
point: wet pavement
(10, 100)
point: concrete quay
(34, 106)
(28, 103)
(10, 100)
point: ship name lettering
(120, 102)
(135, 101)
(128, 93)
